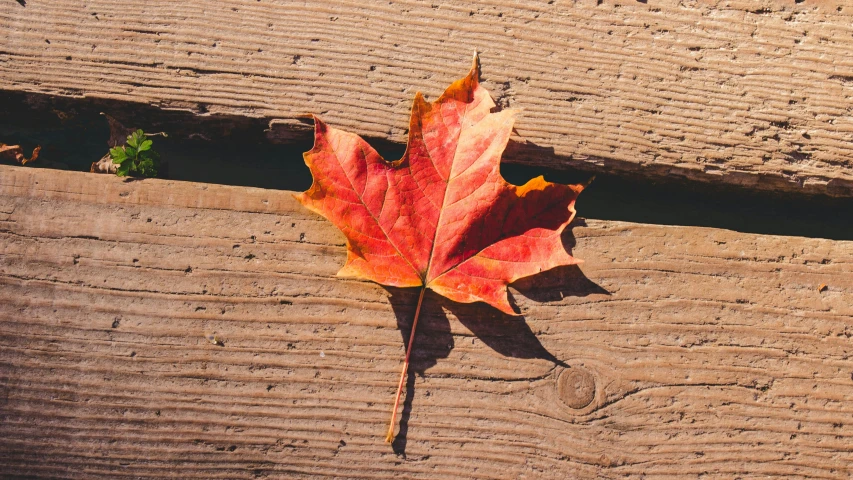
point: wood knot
(576, 387)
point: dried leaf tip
(16, 153)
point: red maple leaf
(442, 217)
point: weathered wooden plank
(734, 92)
(681, 351)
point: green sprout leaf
(118, 155)
(137, 158)
(124, 169)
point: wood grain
(676, 352)
(744, 93)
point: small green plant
(136, 158)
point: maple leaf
(442, 217)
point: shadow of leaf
(558, 283)
(433, 341)
(506, 334)
(400, 441)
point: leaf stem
(390, 436)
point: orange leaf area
(442, 216)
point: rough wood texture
(685, 351)
(747, 93)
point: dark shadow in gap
(248, 151)
(690, 203)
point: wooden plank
(680, 351)
(734, 92)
